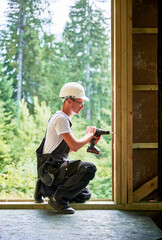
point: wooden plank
(46, 200)
(126, 99)
(145, 87)
(130, 107)
(112, 93)
(145, 13)
(145, 30)
(90, 205)
(122, 49)
(145, 59)
(145, 189)
(117, 102)
(124, 109)
(159, 67)
(144, 145)
(145, 116)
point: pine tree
(88, 55)
(52, 72)
(6, 96)
(21, 46)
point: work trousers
(70, 184)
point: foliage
(19, 174)
(5, 149)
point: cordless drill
(98, 133)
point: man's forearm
(75, 144)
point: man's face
(77, 105)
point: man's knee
(89, 169)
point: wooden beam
(122, 72)
(144, 145)
(117, 102)
(90, 205)
(130, 107)
(112, 92)
(145, 30)
(145, 189)
(124, 96)
(145, 87)
(159, 75)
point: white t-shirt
(57, 125)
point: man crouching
(59, 179)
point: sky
(60, 9)
(2, 9)
(60, 16)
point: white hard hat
(73, 89)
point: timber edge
(90, 205)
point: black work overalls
(66, 180)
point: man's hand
(91, 130)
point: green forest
(34, 64)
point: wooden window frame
(122, 142)
(121, 55)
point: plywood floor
(84, 224)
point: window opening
(45, 44)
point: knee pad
(89, 169)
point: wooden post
(130, 103)
(122, 78)
(117, 108)
(112, 92)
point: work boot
(37, 194)
(63, 209)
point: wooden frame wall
(122, 147)
(122, 100)
(145, 100)
(123, 88)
